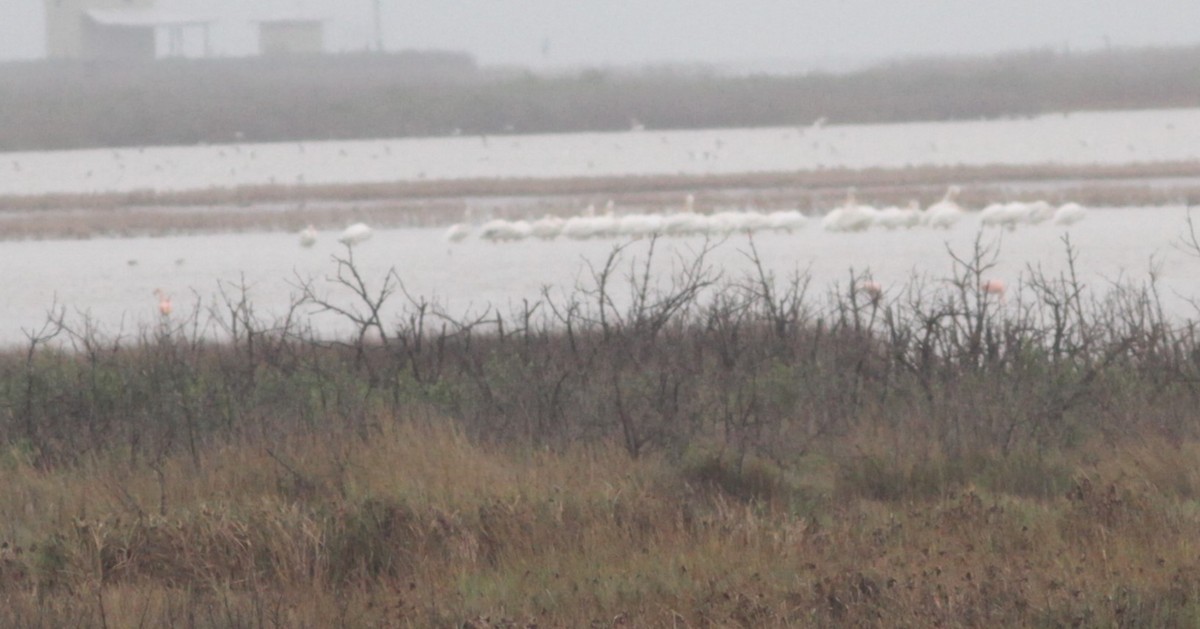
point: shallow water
(1085, 138)
(114, 279)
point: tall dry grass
(416, 525)
(715, 452)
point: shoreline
(440, 203)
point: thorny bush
(753, 365)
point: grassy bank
(58, 105)
(716, 451)
(417, 525)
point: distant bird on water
(458, 232)
(945, 213)
(870, 288)
(164, 302)
(355, 234)
(308, 237)
(851, 216)
(994, 287)
(1069, 214)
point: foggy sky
(623, 32)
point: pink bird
(993, 287)
(871, 289)
(164, 302)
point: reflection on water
(114, 279)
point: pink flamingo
(993, 287)
(164, 302)
(871, 289)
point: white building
(147, 29)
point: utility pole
(378, 26)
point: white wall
(633, 31)
(235, 33)
(23, 28)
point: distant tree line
(57, 105)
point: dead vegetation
(709, 451)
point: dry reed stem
(500, 537)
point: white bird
(1007, 215)
(520, 230)
(851, 216)
(753, 221)
(945, 213)
(890, 218)
(582, 227)
(579, 227)
(605, 225)
(684, 224)
(355, 234)
(863, 218)
(1039, 212)
(893, 218)
(548, 227)
(912, 214)
(458, 232)
(499, 230)
(992, 215)
(1069, 214)
(786, 220)
(639, 225)
(308, 236)
(833, 220)
(725, 223)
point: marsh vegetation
(716, 451)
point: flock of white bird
(855, 217)
(352, 235)
(609, 224)
(851, 216)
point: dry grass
(752, 460)
(418, 526)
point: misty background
(779, 35)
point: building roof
(145, 18)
